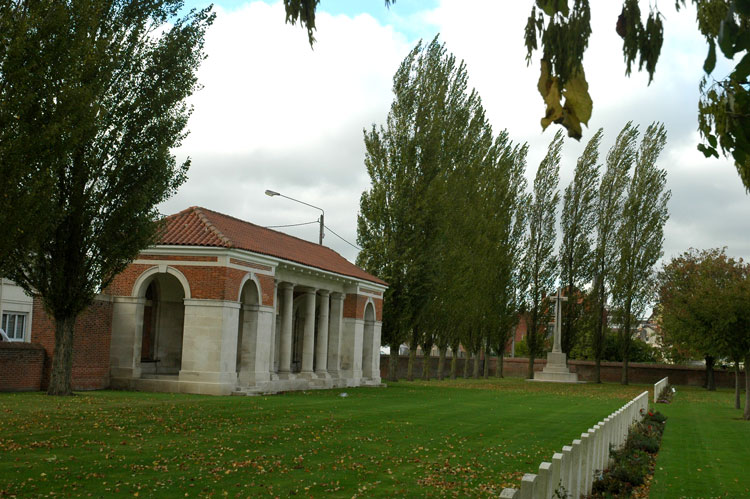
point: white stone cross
(559, 298)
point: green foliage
(703, 299)
(564, 40)
(638, 350)
(609, 204)
(632, 463)
(640, 237)
(442, 188)
(578, 221)
(92, 101)
(522, 348)
(723, 117)
(540, 264)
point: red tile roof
(198, 226)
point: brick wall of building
(21, 366)
(267, 289)
(354, 307)
(91, 340)
(610, 371)
(213, 283)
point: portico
(255, 313)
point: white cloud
(276, 114)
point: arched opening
(367, 340)
(163, 321)
(247, 326)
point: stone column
(334, 335)
(127, 335)
(321, 346)
(256, 344)
(272, 349)
(285, 348)
(209, 347)
(308, 339)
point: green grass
(467, 438)
(705, 449)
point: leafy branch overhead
(723, 116)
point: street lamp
(322, 213)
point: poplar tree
(540, 264)
(640, 237)
(92, 101)
(578, 221)
(615, 180)
(435, 126)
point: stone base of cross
(556, 369)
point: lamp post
(322, 213)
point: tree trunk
(410, 365)
(393, 364)
(486, 373)
(599, 333)
(426, 364)
(454, 362)
(441, 364)
(466, 365)
(531, 342)
(737, 384)
(499, 370)
(710, 382)
(746, 415)
(626, 344)
(62, 360)
(475, 373)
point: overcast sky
(275, 114)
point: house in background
(221, 306)
(16, 308)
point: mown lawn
(705, 449)
(466, 438)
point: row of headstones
(659, 387)
(571, 472)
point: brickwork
(122, 284)
(207, 283)
(378, 308)
(21, 366)
(354, 306)
(267, 289)
(250, 264)
(611, 372)
(91, 340)
(179, 258)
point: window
(14, 325)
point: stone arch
(368, 333)
(143, 281)
(161, 321)
(247, 326)
(258, 291)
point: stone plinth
(556, 370)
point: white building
(16, 309)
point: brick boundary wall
(91, 340)
(21, 366)
(610, 371)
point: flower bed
(631, 466)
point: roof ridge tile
(224, 239)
